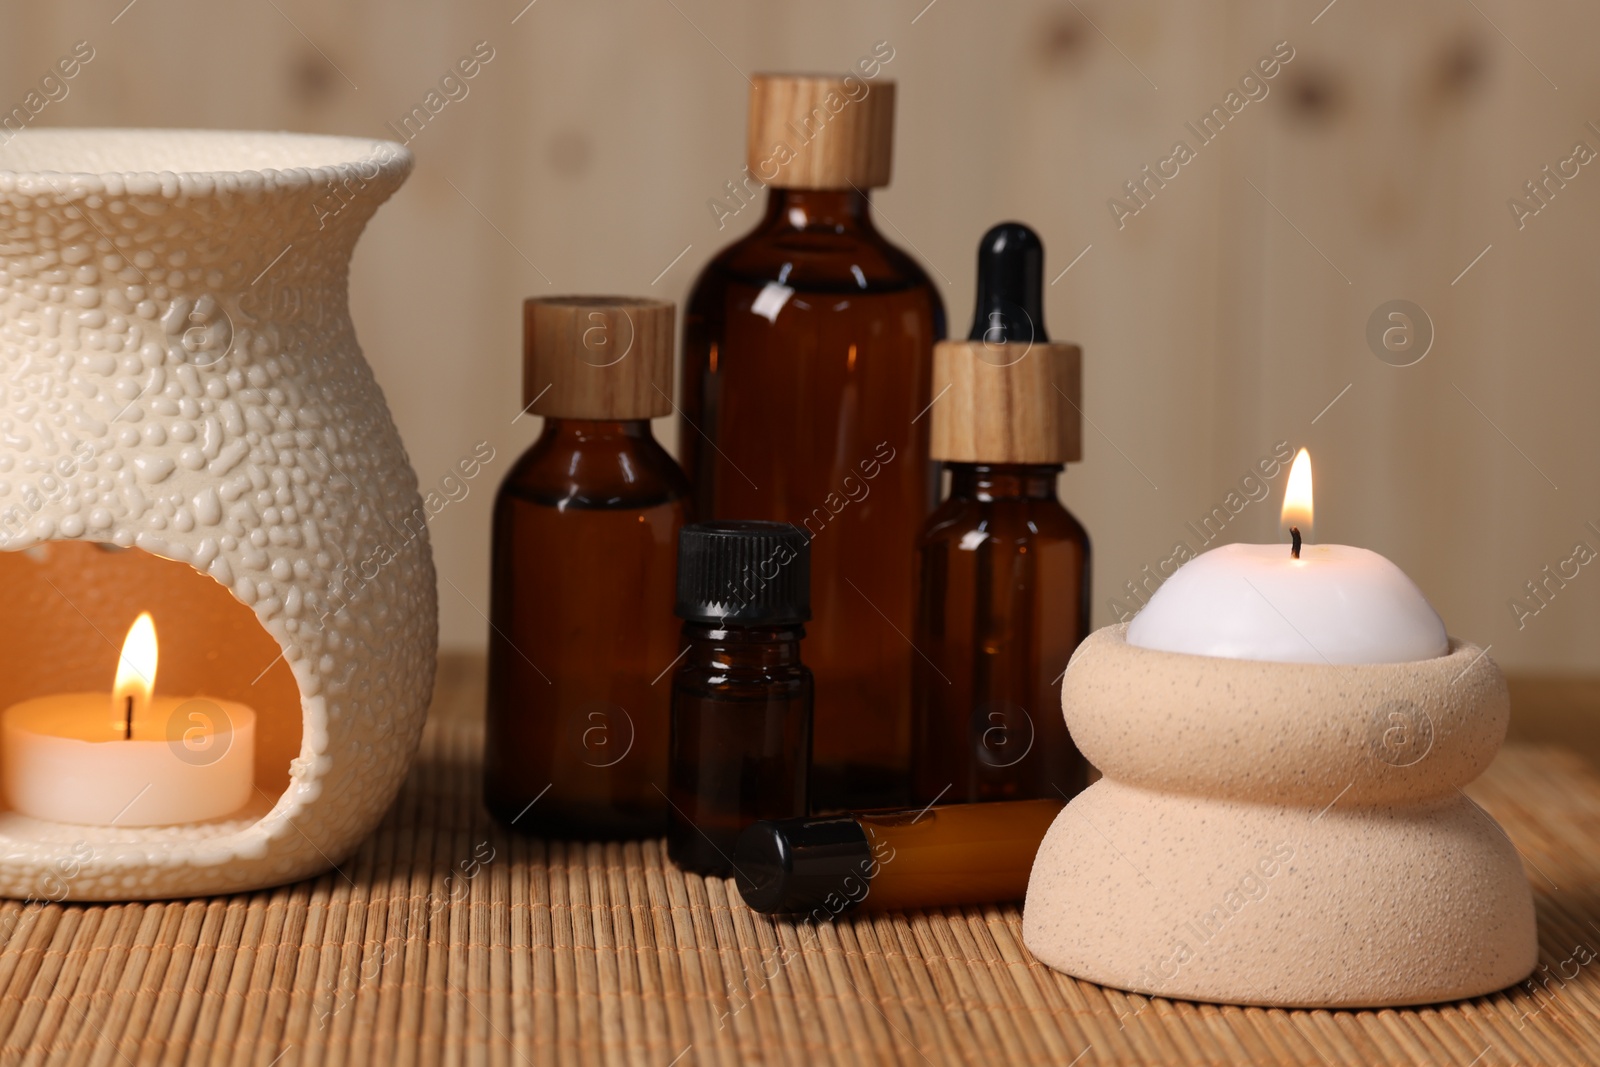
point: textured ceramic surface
(1282, 834)
(181, 376)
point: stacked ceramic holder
(1286, 834)
(182, 379)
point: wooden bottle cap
(820, 131)
(1007, 403)
(597, 357)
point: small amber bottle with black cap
(585, 541)
(1003, 592)
(881, 861)
(741, 698)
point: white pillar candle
(1331, 604)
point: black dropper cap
(796, 865)
(1010, 304)
(744, 572)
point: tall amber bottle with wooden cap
(585, 553)
(807, 361)
(1003, 597)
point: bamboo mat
(446, 941)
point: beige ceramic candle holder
(1282, 834)
(188, 427)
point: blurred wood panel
(1224, 317)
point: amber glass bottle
(741, 698)
(585, 545)
(1003, 598)
(932, 857)
(807, 348)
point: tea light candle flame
(136, 674)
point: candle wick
(127, 719)
(1294, 549)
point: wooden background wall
(1223, 317)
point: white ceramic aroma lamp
(188, 429)
(1281, 823)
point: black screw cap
(744, 573)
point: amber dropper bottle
(1004, 568)
(807, 352)
(741, 698)
(881, 861)
(585, 544)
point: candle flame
(136, 670)
(1297, 509)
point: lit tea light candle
(128, 757)
(1295, 603)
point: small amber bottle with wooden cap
(808, 346)
(1003, 597)
(581, 606)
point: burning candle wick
(127, 719)
(1294, 549)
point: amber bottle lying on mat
(884, 861)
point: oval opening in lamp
(96, 737)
